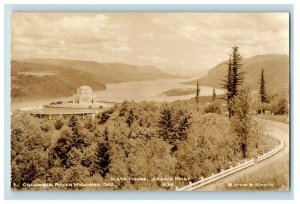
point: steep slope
(276, 72)
(107, 72)
(47, 78)
(30, 82)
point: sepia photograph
(150, 101)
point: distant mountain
(39, 81)
(33, 79)
(107, 72)
(276, 72)
(188, 73)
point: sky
(191, 41)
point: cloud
(152, 59)
(187, 40)
(113, 48)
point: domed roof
(85, 87)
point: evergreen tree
(89, 123)
(228, 86)
(124, 108)
(197, 92)
(228, 80)
(166, 125)
(102, 155)
(130, 118)
(237, 74)
(105, 134)
(234, 78)
(73, 123)
(58, 124)
(241, 121)
(104, 116)
(262, 90)
(77, 136)
(103, 159)
(63, 146)
(183, 125)
(214, 94)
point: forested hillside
(142, 142)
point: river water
(149, 90)
(137, 91)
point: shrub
(104, 116)
(212, 108)
(280, 107)
(58, 123)
(46, 126)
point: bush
(280, 106)
(262, 108)
(104, 116)
(212, 108)
(46, 126)
(58, 123)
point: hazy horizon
(190, 41)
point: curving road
(279, 129)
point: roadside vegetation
(275, 177)
(277, 118)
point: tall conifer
(197, 92)
(262, 90)
(233, 79)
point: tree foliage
(213, 107)
(197, 92)
(262, 91)
(234, 78)
(281, 106)
(237, 75)
(166, 125)
(241, 121)
(214, 95)
(163, 140)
